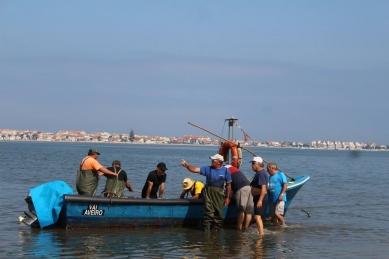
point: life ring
(236, 152)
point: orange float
(229, 147)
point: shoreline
(191, 145)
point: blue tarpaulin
(48, 201)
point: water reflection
(150, 243)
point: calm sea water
(346, 198)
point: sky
(288, 70)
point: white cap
(217, 157)
(257, 159)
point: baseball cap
(217, 157)
(93, 151)
(162, 166)
(257, 159)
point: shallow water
(346, 199)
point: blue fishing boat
(83, 211)
(54, 203)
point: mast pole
(231, 124)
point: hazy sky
(289, 70)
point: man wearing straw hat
(192, 187)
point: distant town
(131, 137)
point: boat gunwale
(141, 201)
(128, 200)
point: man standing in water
(277, 193)
(214, 197)
(88, 173)
(155, 183)
(242, 193)
(259, 191)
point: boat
(71, 211)
(89, 212)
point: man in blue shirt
(217, 177)
(277, 193)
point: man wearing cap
(88, 173)
(195, 188)
(259, 191)
(114, 186)
(277, 193)
(155, 183)
(217, 177)
(241, 189)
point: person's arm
(161, 190)
(149, 187)
(100, 168)
(283, 192)
(105, 171)
(198, 190)
(129, 187)
(196, 197)
(228, 194)
(261, 196)
(182, 196)
(284, 183)
(190, 167)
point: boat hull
(82, 211)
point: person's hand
(184, 163)
(280, 198)
(259, 204)
(226, 201)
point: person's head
(161, 167)
(116, 164)
(272, 168)
(217, 160)
(93, 152)
(187, 184)
(257, 163)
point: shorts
(280, 208)
(262, 211)
(244, 200)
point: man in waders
(114, 186)
(88, 173)
(215, 198)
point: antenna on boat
(231, 124)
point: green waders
(213, 207)
(114, 187)
(87, 181)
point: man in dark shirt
(155, 183)
(114, 186)
(242, 193)
(259, 191)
